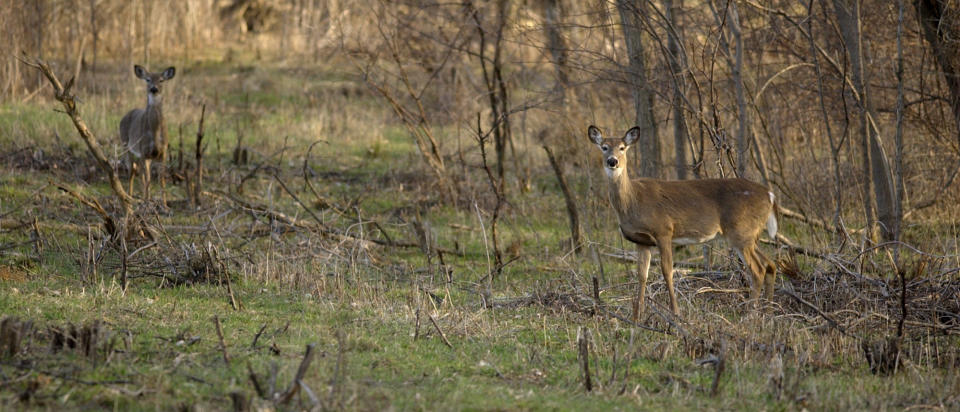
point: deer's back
(697, 209)
(736, 205)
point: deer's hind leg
(755, 269)
(769, 272)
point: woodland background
(369, 170)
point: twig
(290, 221)
(416, 326)
(255, 380)
(576, 239)
(719, 365)
(314, 401)
(297, 199)
(819, 312)
(123, 263)
(253, 345)
(198, 179)
(223, 345)
(108, 222)
(301, 371)
(440, 331)
(596, 292)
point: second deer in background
(660, 213)
(143, 132)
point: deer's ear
(632, 135)
(168, 74)
(139, 71)
(594, 134)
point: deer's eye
(604, 148)
(622, 148)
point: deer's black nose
(154, 89)
(612, 162)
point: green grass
(310, 289)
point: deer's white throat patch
(613, 173)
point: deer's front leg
(146, 179)
(666, 266)
(132, 166)
(643, 268)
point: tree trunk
(898, 137)
(878, 190)
(576, 238)
(558, 49)
(940, 27)
(677, 59)
(630, 19)
(743, 146)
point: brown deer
(143, 132)
(661, 213)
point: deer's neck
(153, 114)
(623, 192)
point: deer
(143, 132)
(655, 213)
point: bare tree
(556, 45)
(631, 21)
(878, 190)
(678, 61)
(940, 22)
(496, 87)
(898, 137)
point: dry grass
(333, 249)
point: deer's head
(614, 149)
(154, 80)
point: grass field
(349, 263)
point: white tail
(142, 131)
(659, 213)
(772, 219)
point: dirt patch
(10, 274)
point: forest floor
(331, 240)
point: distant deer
(143, 132)
(660, 213)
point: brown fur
(143, 133)
(656, 213)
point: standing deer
(660, 213)
(143, 132)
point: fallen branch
(108, 223)
(316, 228)
(440, 331)
(829, 320)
